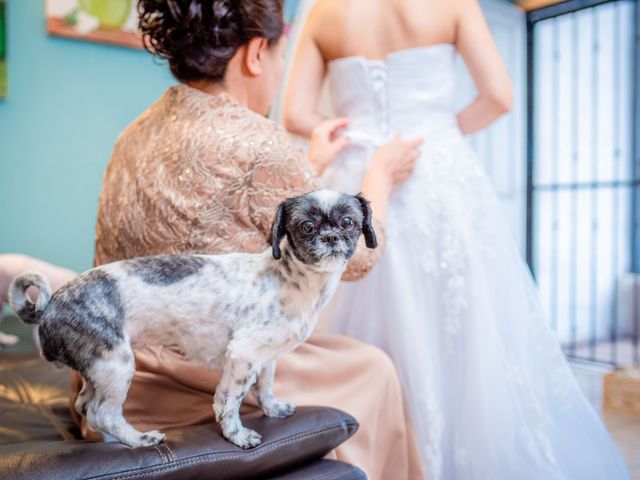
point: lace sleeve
(281, 170)
(365, 258)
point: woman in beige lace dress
(202, 170)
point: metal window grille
(583, 174)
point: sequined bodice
(409, 91)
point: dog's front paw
(148, 439)
(276, 409)
(245, 438)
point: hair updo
(199, 37)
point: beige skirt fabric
(328, 370)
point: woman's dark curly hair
(199, 37)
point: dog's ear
(367, 222)
(278, 229)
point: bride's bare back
(375, 28)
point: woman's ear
(254, 55)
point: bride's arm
(301, 114)
(480, 54)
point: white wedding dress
(451, 300)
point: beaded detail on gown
(451, 300)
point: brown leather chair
(38, 439)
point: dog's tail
(28, 311)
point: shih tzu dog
(238, 311)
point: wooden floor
(624, 428)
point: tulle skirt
(451, 300)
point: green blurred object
(72, 17)
(110, 13)
(3, 49)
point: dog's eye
(346, 223)
(307, 227)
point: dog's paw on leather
(245, 438)
(150, 438)
(278, 409)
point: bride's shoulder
(327, 12)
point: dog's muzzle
(332, 247)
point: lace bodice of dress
(200, 173)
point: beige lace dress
(202, 173)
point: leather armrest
(193, 452)
(323, 470)
(37, 441)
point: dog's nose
(330, 238)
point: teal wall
(290, 7)
(67, 103)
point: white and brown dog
(237, 311)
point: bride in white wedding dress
(451, 301)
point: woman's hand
(327, 141)
(392, 164)
(396, 160)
